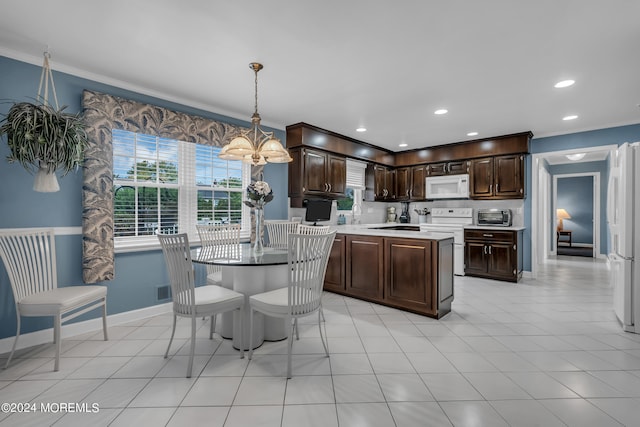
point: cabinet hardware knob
(485, 249)
(487, 235)
(489, 250)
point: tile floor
(545, 352)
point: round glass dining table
(249, 274)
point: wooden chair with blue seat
(29, 255)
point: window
(355, 185)
(163, 185)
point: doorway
(576, 209)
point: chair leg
(324, 344)
(290, 347)
(193, 346)
(322, 312)
(250, 332)
(104, 320)
(241, 309)
(295, 326)
(58, 341)
(15, 342)
(173, 331)
(212, 328)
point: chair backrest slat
(308, 258)
(314, 229)
(278, 232)
(177, 257)
(30, 259)
(218, 239)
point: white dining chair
(308, 257)
(29, 256)
(217, 238)
(314, 229)
(278, 231)
(190, 301)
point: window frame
(187, 196)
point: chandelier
(255, 146)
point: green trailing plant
(41, 137)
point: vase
(258, 248)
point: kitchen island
(401, 268)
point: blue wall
(137, 274)
(595, 138)
(575, 195)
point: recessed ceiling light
(361, 129)
(571, 117)
(564, 83)
(404, 144)
(472, 133)
(441, 111)
(576, 156)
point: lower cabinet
(410, 274)
(493, 254)
(364, 275)
(335, 275)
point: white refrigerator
(623, 206)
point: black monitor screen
(318, 210)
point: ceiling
(340, 64)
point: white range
(452, 222)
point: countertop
(495, 228)
(372, 230)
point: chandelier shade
(255, 146)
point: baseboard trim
(72, 329)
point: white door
(622, 298)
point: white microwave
(447, 187)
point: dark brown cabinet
(500, 177)
(364, 272)
(381, 183)
(410, 274)
(316, 173)
(493, 254)
(410, 183)
(335, 275)
(447, 168)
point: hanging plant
(44, 139)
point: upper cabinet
(448, 168)
(499, 177)
(316, 173)
(410, 184)
(384, 183)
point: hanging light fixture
(255, 146)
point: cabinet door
(391, 184)
(380, 174)
(508, 176)
(315, 164)
(481, 178)
(334, 277)
(365, 266)
(403, 183)
(475, 261)
(408, 276)
(418, 175)
(501, 260)
(436, 169)
(456, 168)
(336, 175)
(296, 173)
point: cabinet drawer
(490, 235)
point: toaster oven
(494, 217)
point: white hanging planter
(46, 181)
(39, 134)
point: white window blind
(355, 174)
(167, 186)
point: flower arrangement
(259, 194)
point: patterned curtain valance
(102, 114)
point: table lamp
(562, 214)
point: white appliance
(451, 221)
(623, 205)
(447, 187)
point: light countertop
(373, 230)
